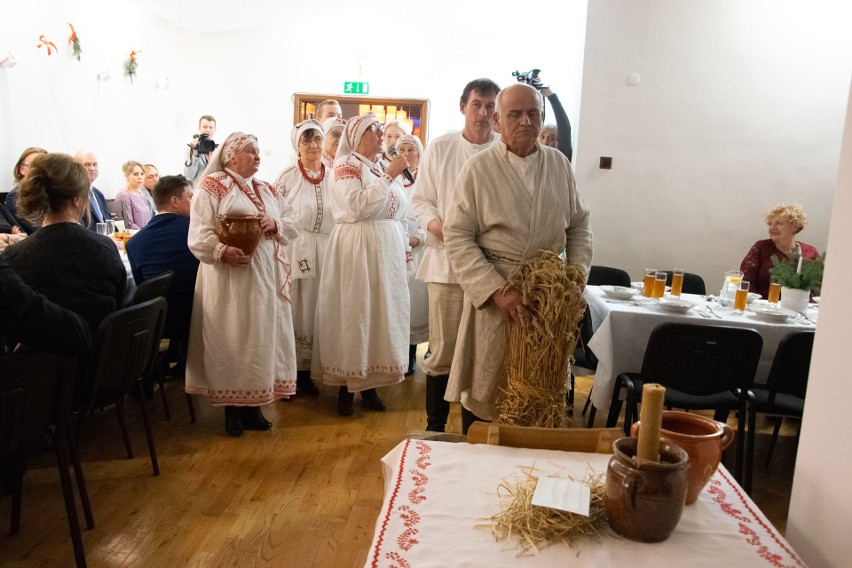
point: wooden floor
(306, 493)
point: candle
(650, 422)
(799, 268)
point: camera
(528, 77)
(205, 145)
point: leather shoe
(253, 419)
(304, 384)
(344, 401)
(371, 401)
(233, 423)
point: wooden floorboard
(306, 493)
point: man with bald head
(511, 201)
(98, 211)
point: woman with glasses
(306, 187)
(18, 225)
(363, 307)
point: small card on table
(562, 494)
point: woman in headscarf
(411, 148)
(363, 306)
(306, 187)
(241, 349)
(332, 129)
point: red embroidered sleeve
(347, 171)
(214, 187)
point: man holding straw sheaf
(511, 201)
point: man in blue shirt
(162, 245)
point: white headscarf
(413, 140)
(233, 145)
(352, 133)
(332, 122)
(301, 128)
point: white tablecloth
(621, 333)
(436, 493)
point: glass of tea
(677, 281)
(648, 282)
(741, 298)
(660, 284)
(774, 290)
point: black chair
(160, 286)
(784, 391)
(123, 352)
(583, 356)
(703, 367)
(36, 392)
(692, 283)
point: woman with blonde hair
(784, 221)
(134, 201)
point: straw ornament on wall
(539, 352)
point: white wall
(740, 106)
(57, 102)
(821, 506)
(246, 78)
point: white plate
(641, 286)
(675, 305)
(618, 292)
(772, 313)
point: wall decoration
(7, 60)
(48, 44)
(130, 65)
(74, 42)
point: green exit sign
(356, 88)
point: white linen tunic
(418, 293)
(241, 347)
(311, 205)
(499, 219)
(363, 306)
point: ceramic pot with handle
(239, 231)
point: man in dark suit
(162, 245)
(97, 201)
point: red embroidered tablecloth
(438, 495)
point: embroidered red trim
(347, 171)
(214, 187)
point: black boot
(469, 418)
(253, 419)
(412, 359)
(437, 409)
(304, 384)
(233, 422)
(344, 401)
(370, 400)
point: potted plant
(798, 278)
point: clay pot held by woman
(704, 439)
(240, 231)
(644, 499)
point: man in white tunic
(442, 161)
(241, 349)
(510, 202)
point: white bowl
(772, 313)
(641, 286)
(618, 292)
(675, 305)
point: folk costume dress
(363, 305)
(309, 194)
(241, 348)
(506, 210)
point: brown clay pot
(240, 231)
(644, 500)
(704, 439)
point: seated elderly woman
(784, 222)
(75, 268)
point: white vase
(795, 299)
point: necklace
(315, 181)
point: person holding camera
(201, 146)
(554, 135)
